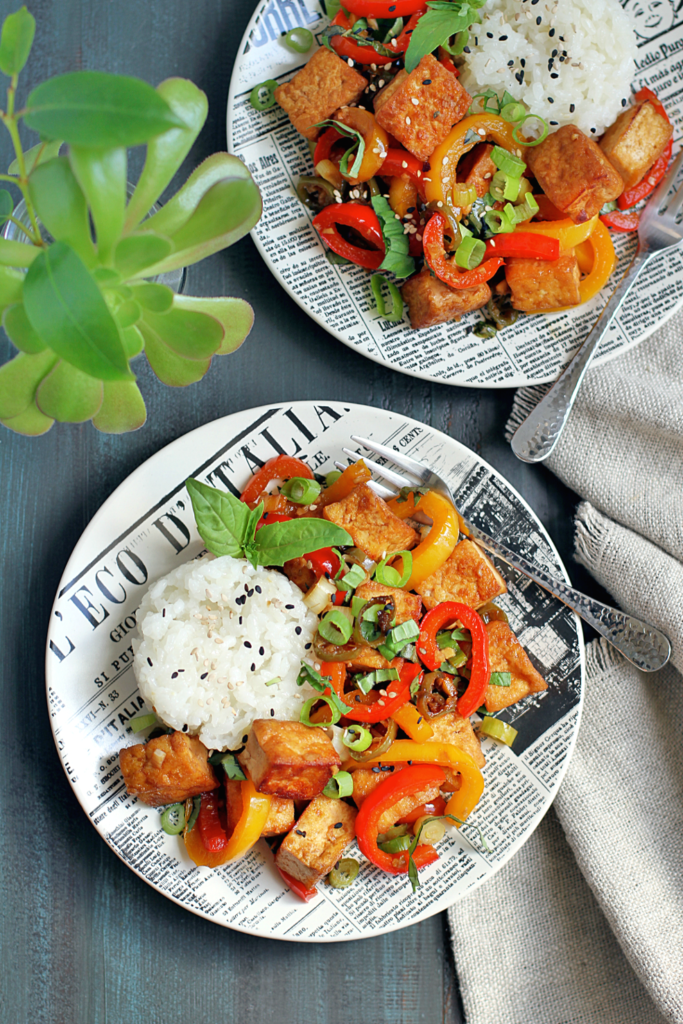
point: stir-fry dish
(323, 674)
(472, 199)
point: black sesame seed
(240, 620)
(307, 647)
(411, 209)
(253, 667)
(339, 824)
(550, 64)
(554, 53)
(426, 81)
(511, 63)
(376, 769)
(623, 103)
(247, 643)
(272, 713)
(553, 122)
(392, 9)
(297, 630)
(181, 669)
(476, 41)
(204, 675)
(489, 35)
(520, 77)
(560, 37)
(522, 62)
(244, 739)
(550, 99)
(593, 131)
(502, 38)
(554, 75)
(184, 728)
(258, 590)
(572, 108)
(250, 593)
(163, 613)
(289, 607)
(467, 50)
(539, 19)
(299, 832)
(174, 675)
(562, 59)
(149, 662)
(246, 588)
(262, 651)
(409, 762)
(552, 32)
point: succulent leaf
(169, 367)
(189, 334)
(17, 254)
(137, 252)
(123, 408)
(155, 297)
(31, 422)
(68, 312)
(19, 380)
(102, 176)
(166, 152)
(11, 281)
(61, 205)
(107, 277)
(133, 342)
(236, 316)
(98, 109)
(19, 330)
(69, 396)
(127, 314)
(16, 41)
(36, 155)
(6, 205)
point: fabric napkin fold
(585, 924)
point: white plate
(146, 528)
(533, 350)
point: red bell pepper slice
(323, 147)
(211, 831)
(434, 809)
(621, 221)
(428, 649)
(348, 49)
(384, 707)
(278, 468)
(646, 95)
(649, 183)
(449, 65)
(447, 270)
(366, 223)
(394, 788)
(525, 244)
(399, 162)
(298, 888)
(403, 40)
(323, 561)
(384, 8)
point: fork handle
(535, 439)
(642, 644)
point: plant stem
(10, 122)
(22, 227)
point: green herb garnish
(396, 261)
(444, 19)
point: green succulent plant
(75, 292)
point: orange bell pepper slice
(411, 721)
(375, 138)
(255, 810)
(566, 231)
(441, 175)
(432, 552)
(355, 474)
(604, 261)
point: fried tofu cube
(482, 169)
(408, 606)
(322, 833)
(365, 781)
(321, 87)
(374, 527)
(453, 728)
(637, 138)
(574, 173)
(167, 770)
(288, 759)
(367, 659)
(538, 285)
(430, 301)
(299, 572)
(280, 816)
(419, 109)
(506, 654)
(467, 576)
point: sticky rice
(220, 644)
(569, 61)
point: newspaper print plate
(339, 298)
(146, 528)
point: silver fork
(642, 644)
(659, 229)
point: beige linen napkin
(585, 924)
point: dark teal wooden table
(83, 940)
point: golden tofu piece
(280, 816)
(365, 781)
(453, 728)
(430, 301)
(374, 527)
(574, 173)
(408, 606)
(321, 87)
(506, 654)
(441, 102)
(167, 770)
(543, 284)
(299, 572)
(637, 138)
(367, 659)
(481, 170)
(319, 839)
(467, 576)
(288, 759)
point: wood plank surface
(84, 940)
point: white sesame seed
(415, 101)
(481, 131)
(218, 640)
(444, 161)
(439, 203)
(350, 62)
(419, 237)
(407, 120)
(387, 67)
(404, 163)
(380, 83)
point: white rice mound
(201, 669)
(594, 36)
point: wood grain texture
(84, 940)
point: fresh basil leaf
(222, 519)
(276, 543)
(229, 764)
(18, 30)
(500, 679)
(358, 142)
(396, 260)
(443, 20)
(307, 674)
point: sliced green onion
(339, 785)
(450, 638)
(500, 679)
(332, 477)
(393, 832)
(344, 873)
(415, 687)
(380, 675)
(352, 579)
(507, 162)
(262, 96)
(335, 627)
(498, 730)
(429, 830)
(470, 253)
(512, 112)
(173, 819)
(533, 142)
(305, 718)
(396, 845)
(499, 222)
(511, 188)
(299, 39)
(196, 805)
(486, 96)
(394, 30)
(143, 722)
(457, 659)
(273, 681)
(396, 298)
(357, 737)
(356, 604)
(390, 577)
(365, 683)
(301, 490)
(407, 630)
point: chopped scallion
(531, 142)
(397, 845)
(196, 805)
(396, 298)
(390, 577)
(498, 730)
(336, 627)
(332, 477)
(357, 737)
(352, 579)
(305, 716)
(301, 490)
(356, 604)
(339, 785)
(344, 873)
(143, 722)
(173, 819)
(470, 253)
(507, 162)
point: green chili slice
(396, 314)
(301, 490)
(498, 730)
(173, 819)
(305, 719)
(357, 737)
(335, 627)
(390, 577)
(307, 187)
(339, 785)
(396, 845)
(299, 39)
(262, 97)
(533, 142)
(344, 873)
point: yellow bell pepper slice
(602, 264)
(255, 810)
(463, 802)
(585, 256)
(568, 233)
(411, 721)
(432, 552)
(441, 175)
